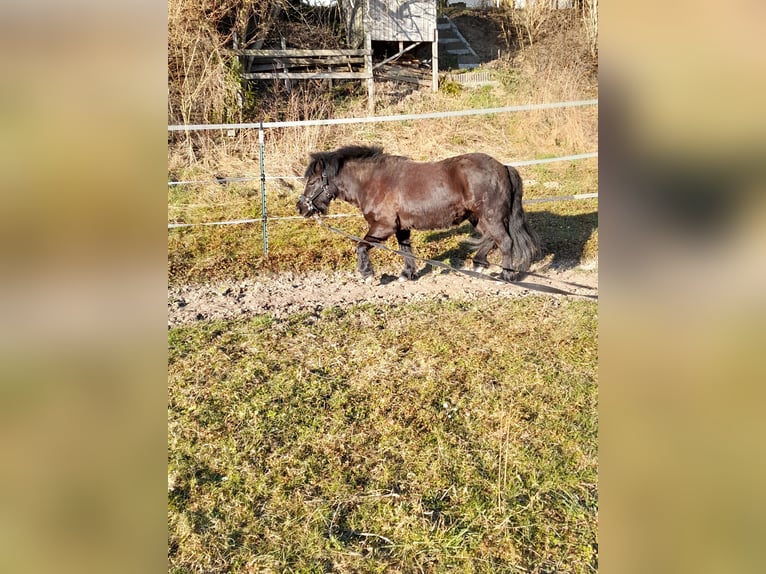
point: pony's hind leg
(403, 238)
(502, 238)
(483, 245)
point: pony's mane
(332, 161)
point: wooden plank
(402, 73)
(307, 75)
(299, 53)
(368, 64)
(265, 65)
(401, 78)
(288, 87)
(303, 61)
(395, 56)
(435, 62)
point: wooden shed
(390, 20)
(402, 20)
(406, 22)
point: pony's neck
(352, 179)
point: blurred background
(82, 296)
(682, 302)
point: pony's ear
(318, 167)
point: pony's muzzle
(304, 207)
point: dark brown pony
(397, 195)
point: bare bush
(203, 79)
(529, 20)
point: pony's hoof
(511, 276)
(403, 278)
(368, 280)
(479, 269)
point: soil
(483, 31)
(289, 293)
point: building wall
(403, 20)
(391, 20)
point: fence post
(435, 61)
(368, 60)
(264, 214)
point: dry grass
(440, 437)
(201, 86)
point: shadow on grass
(562, 236)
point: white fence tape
(376, 119)
(554, 159)
(222, 180)
(256, 220)
(342, 215)
(272, 177)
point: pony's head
(319, 191)
(321, 186)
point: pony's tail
(526, 243)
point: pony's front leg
(376, 234)
(403, 238)
(363, 264)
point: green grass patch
(437, 437)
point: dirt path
(289, 293)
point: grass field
(438, 437)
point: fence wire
(380, 119)
(224, 180)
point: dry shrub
(198, 86)
(203, 79)
(287, 148)
(560, 67)
(204, 84)
(530, 24)
(530, 20)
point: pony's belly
(434, 220)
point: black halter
(324, 189)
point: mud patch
(288, 293)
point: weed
(450, 88)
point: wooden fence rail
(288, 53)
(284, 75)
(299, 64)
